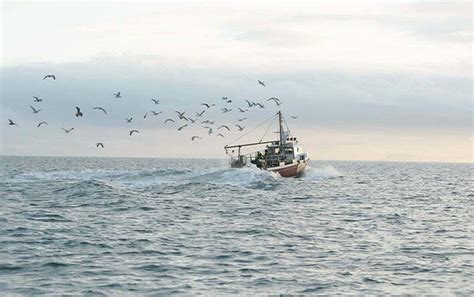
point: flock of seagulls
(182, 117)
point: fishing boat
(284, 155)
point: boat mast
(280, 123)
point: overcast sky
(384, 80)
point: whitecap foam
(247, 176)
(327, 172)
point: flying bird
(240, 128)
(37, 99)
(260, 105)
(133, 131)
(39, 125)
(192, 120)
(199, 114)
(129, 120)
(180, 114)
(208, 105)
(156, 101)
(242, 110)
(100, 108)
(225, 98)
(261, 82)
(35, 110)
(225, 110)
(99, 144)
(78, 112)
(11, 123)
(220, 135)
(274, 99)
(169, 120)
(195, 137)
(67, 130)
(242, 119)
(224, 126)
(50, 76)
(156, 113)
(117, 95)
(294, 117)
(180, 128)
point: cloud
(389, 68)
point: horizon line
(220, 159)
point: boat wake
(248, 177)
(318, 174)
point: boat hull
(290, 170)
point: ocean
(122, 226)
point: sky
(367, 80)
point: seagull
(224, 126)
(180, 128)
(66, 130)
(242, 110)
(132, 131)
(99, 144)
(180, 114)
(37, 99)
(260, 105)
(294, 117)
(195, 137)
(225, 98)
(169, 120)
(156, 101)
(240, 128)
(225, 110)
(35, 110)
(100, 108)
(11, 123)
(156, 113)
(49, 76)
(129, 120)
(274, 99)
(205, 122)
(208, 105)
(39, 125)
(199, 114)
(117, 95)
(220, 135)
(242, 119)
(146, 113)
(192, 120)
(261, 82)
(209, 131)
(250, 104)
(229, 101)
(78, 112)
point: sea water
(116, 226)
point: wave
(89, 174)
